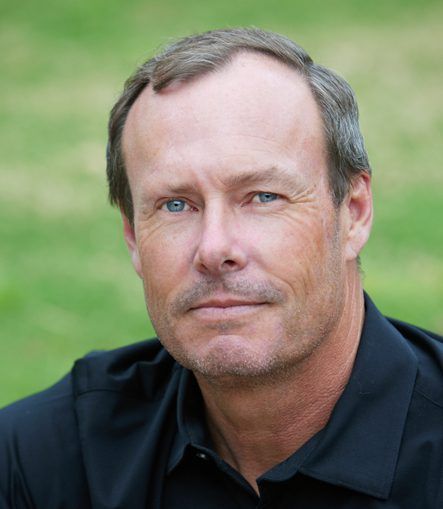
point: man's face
(241, 251)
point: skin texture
(249, 270)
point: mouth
(218, 309)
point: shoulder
(40, 436)
(420, 460)
(44, 410)
(51, 414)
(38, 440)
(427, 348)
(143, 366)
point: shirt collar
(359, 446)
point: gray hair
(200, 54)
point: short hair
(200, 54)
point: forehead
(254, 102)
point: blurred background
(66, 283)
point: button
(202, 455)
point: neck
(255, 427)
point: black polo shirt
(126, 429)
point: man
(244, 187)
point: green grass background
(66, 284)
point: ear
(131, 242)
(358, 212)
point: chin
(231, 360)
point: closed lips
(216, 303)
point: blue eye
(266, 197)
(175, 205)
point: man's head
(246, 246)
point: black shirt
(126, 430)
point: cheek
(165, 259)
(289, 245)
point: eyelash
(172, 200)
(256, 194)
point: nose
(220, 249)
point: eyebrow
(271, 175)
